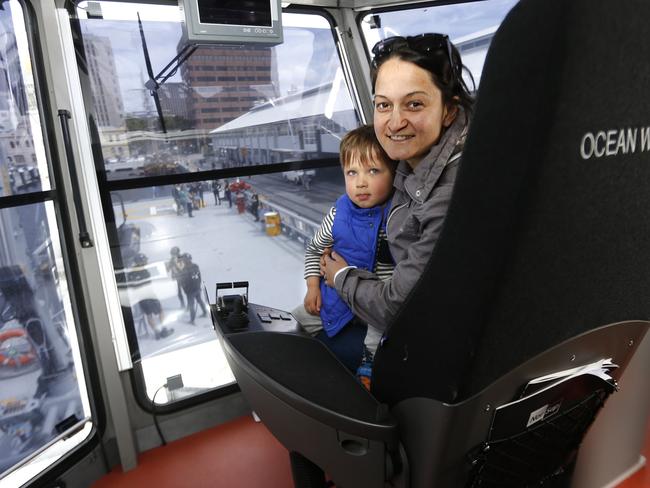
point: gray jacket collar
(419, 183)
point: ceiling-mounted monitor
(232, 21)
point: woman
(422, 109)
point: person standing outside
(174, 269)
(191, 284)
(228, 193)
(180, 207)
(185, 200)
(216, 188)
(200, 188)
(255, 206)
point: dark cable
(155, 418)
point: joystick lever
(237, 318)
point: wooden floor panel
(239, 454)
(640, 479)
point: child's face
(368, 183)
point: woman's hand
(330, 264)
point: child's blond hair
(361, 144)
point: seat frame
(434, 437)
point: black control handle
(84, 236)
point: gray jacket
(417, 213)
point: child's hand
(313, 301)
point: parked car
(300, 176)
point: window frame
(380, 10)
(71, 269)
(107, 187)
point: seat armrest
(304, 374)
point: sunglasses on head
(422, 44)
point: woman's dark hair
(434, 53)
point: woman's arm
(376, 301)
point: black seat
(541, 266)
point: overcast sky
(456, 20)
(163, 31)
(162, 41)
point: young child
(355, 228)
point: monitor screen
(232, 21)
(235, 12)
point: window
(470, 27)
(310, 133)
(44, 406)
(217, 221)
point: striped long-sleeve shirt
(323, 239)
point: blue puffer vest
(355, 232)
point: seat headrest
(549, 224)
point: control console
(233, 313)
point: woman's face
(409, 113)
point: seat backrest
(548, 230)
